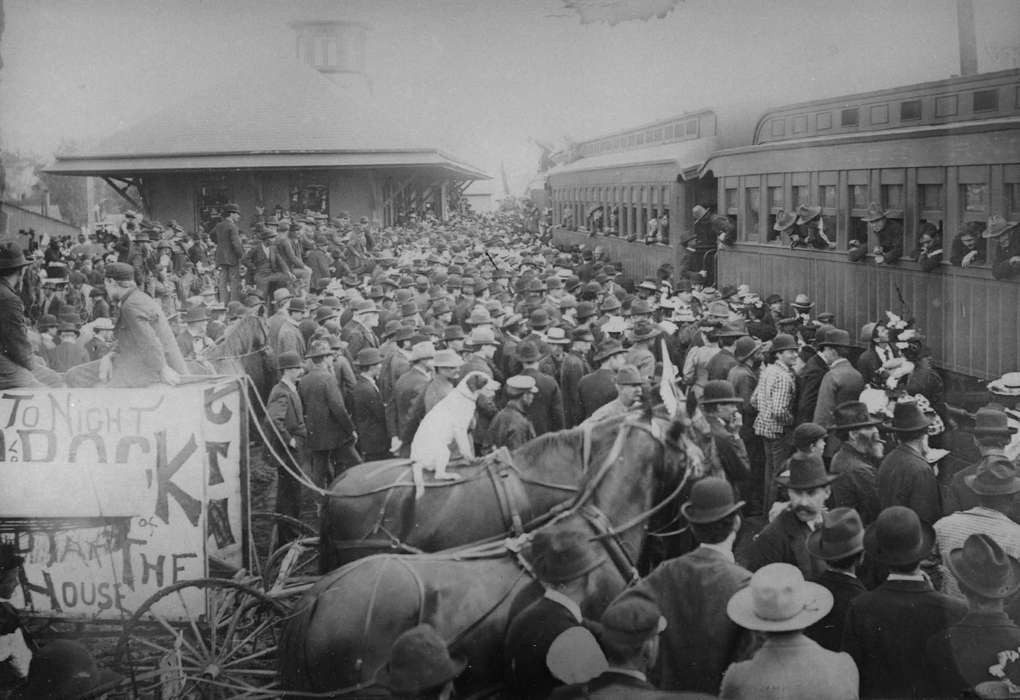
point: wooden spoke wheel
(265, 528)
(173, 649)
(292, 566)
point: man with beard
(862, 448)
(783, 539)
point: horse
(338, 636)
(243, 350)
(371, 508)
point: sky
(480, 78)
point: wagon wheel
(229, 651)
(265, 528)
(292, 564)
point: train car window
(827, 196)
(974, 198)
(1013, 190)
(799, 194)
(849, 117)
(776, 205)
(823, 121)
(753, 202)
(859, 196)
(892, 197)
(986, 100)
(910, 110)
(931, 198)
(946, 106)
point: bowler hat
(981, 565)
(783, 341)
(908, 417)
(699, 212)
(11, 256)
(325, 313)
(608, 349)
(368, 357)
(745, 347)
(801, 301)
(806, 472)
(585, 310)
(778, 599)
(995, 476)
(560, 555)
(784, 220)
(319, 348)
(874, 213)
(992, 421)
(408, 308)
(288, 360)
(521, 384)
(850, 415)
(711, 500)
(898, 537)
(719, 391)
(296, 305)
(419, 661)
(841, 535)
(836, 337)
(65, 327)
(774, 299)
(628, 375)
(629, 622)
(997, 226)
(46, 321)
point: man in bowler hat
(905, 478)
(228, 253)
(839, 543)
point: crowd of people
(887, 563)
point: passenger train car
(944, 152)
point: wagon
(132, 510)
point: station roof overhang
(681, 161)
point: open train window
(910, 110)
(849, 117)
(986, 100)
(752, 198)
(776, 204)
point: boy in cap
(692, 591)
(779, 603)
(629, 386)
(548, 644)
(511, 427)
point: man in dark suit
(784, 538)
(546, 410)
(860, 450)
(367, 408)
(359, 331)
(724, 360)
(841, 383)
(228, 254)
(721, 407)
(285, 416)
(548, 643)
(692, 591)
(406, 392)
(809, 381)
(331, 433)
(599, 387)
(511, 427)
(266, 268)
(905, 478)
(839, 542)
(886, 629)
(879, 351)
(572, 370)
(888, 234)
(629, 634)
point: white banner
(113, 494)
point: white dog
(448, 423)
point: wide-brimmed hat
(719, 391)
(1006, 385)
(478, 317)
(628, 375)
(630, 622)
(898, 537)
(836, 337)
(325, 313)
(608, 349)
(805, 473)
(581, 334)
(850, 415)
(529, 352)
(364, 306)
(288, 360)
(995, 476)
(480, 337)
(559, 555)
(982, 566)
(784, 220)
(318, 348)
(711, 500)
(992, 421)
(806, 213)
(12, 257)
(644, 330)
(610, 303)
(556, 336)
(521, 384)
(423, 350)
(778, 599)
(908, 417)
(448, 359)
(783, 341)
(801, 301)
(419, 660)
(841, 535)
(997, 226)
(368, 357)
(874, 213)
(585, 310)
(746, 347)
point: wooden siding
(970, 320)
(638, 260)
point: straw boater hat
(983, 567)
(778, 599)
(288, 360)
(419, 661)
(841, 535)
(521, 384)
